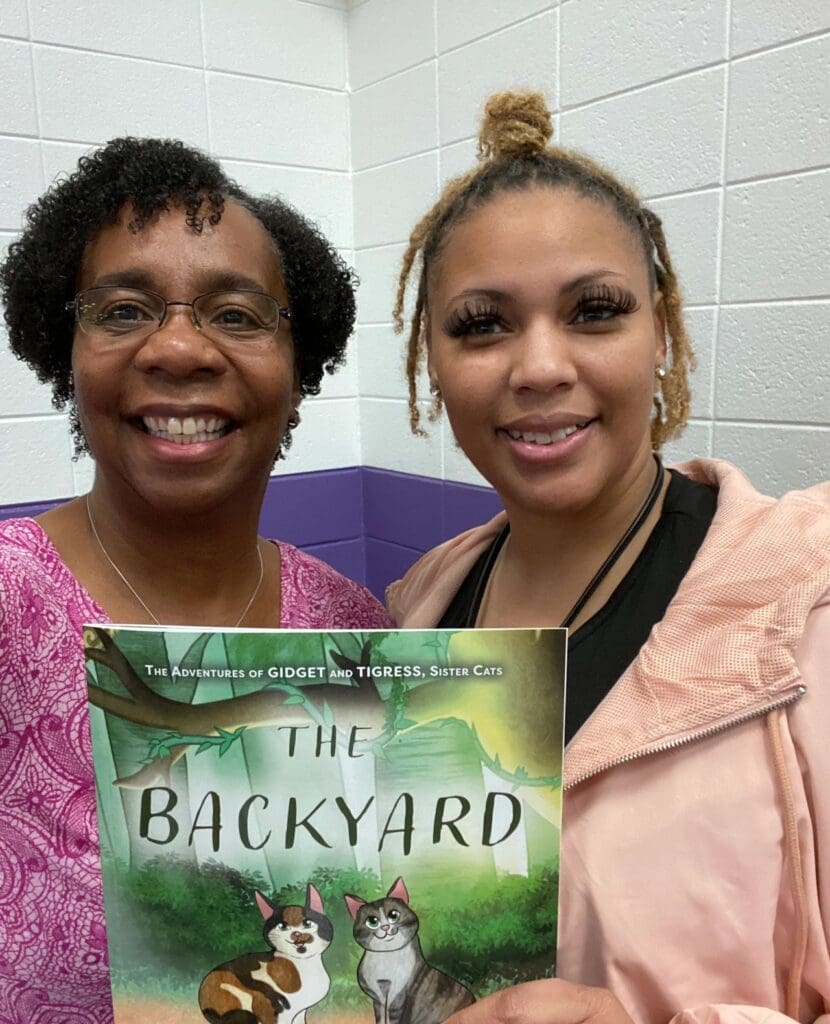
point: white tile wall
(776, 239)
(34, 459)
(599, 43)
(291, 41)
(394, 118)
(521, 56)
(18, 114)
(14, 20)
(265, 121)
(462, 21)
(761, 23)
(328, 437)
(356, 110)
(772, 360)
(386, 37)
(389, 200)
(775, 458)
(21, 179)
(106, 27)
(664, 138)
(381, 419)
(90, 97)
(324, 196)
(378, 271)
(783, 134)
(690, 223)
(382, 362)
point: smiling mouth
(187, 430)
(537, 437)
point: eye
(393, 915)
(282, 926)
(238, 313)
(474, 319)
(602, 304)
(235, 318)
(373, 921)
(121, 316)
(307, 923)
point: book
(309, 826)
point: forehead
(170, 253)
(524, 232)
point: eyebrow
(571, 286)
(138, 277)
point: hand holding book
(548, 1001)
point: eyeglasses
(113, 312)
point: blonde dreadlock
(514, 155)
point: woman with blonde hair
(695, 845)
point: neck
(540, 540)
(197, 567)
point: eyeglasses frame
(282, 311)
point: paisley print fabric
(53, 950)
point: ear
(354, 903)
(265, 907)
(313, 899)
(659, 317)
(398, 891)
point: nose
(178, 348)
(543, 358)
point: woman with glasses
(181, 321)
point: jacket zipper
(684, 741)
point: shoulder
(419, 599)
(316, 596)
(25, 549)
(793, 530)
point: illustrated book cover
(325, 826)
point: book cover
(325, 826)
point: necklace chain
(496, 549)
(138, 596)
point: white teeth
(532, 437)
(187, 430)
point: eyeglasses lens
(114, 312)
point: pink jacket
(696, 845)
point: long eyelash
(470, 313)
(620, 300)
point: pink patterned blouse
(52, 938)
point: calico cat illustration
(278, 985)
(403, 987)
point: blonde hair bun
(514, 124)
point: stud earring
(661, 371)
(434, 390)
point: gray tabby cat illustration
(403, 987)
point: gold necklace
(138, 596)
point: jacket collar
(726, 645)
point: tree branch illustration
(268, 706)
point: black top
(603, 647)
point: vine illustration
(218, 725)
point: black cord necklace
(599, 576)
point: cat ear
(265, 907)
(313, 899)
(398, 891)
(354, 903)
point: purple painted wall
(370, 524)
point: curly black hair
(39, 276)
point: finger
(549, 1001)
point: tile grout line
(724, 154)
